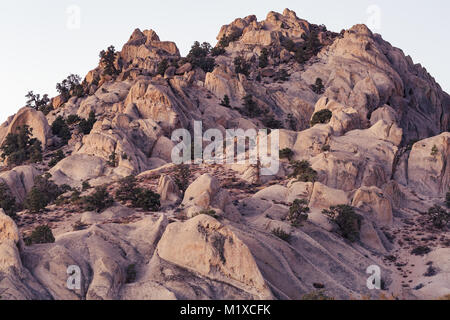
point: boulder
(324, 197)
(168, 190)
(8, 229)
(372, 200)
(205, 246)
(20, 180)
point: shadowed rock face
(384, 151)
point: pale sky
(42, 42)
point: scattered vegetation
(241, 66)
(61, 130)
(19, 147)
(305, 50)
(421, 251)
(303, 171)
(251, 108)
(322, 117)
(292, 122)
(40, 235)
(281, 76)
(98, 201)
(162, 67)
(225, 101)
(225, 41)
(199, 56)
(85, 186)
(73, 119)
(7, 201)
(316, 296)
(78, 226)
(35, 101)
(107, 60)
(286, 154)
(71, 86)
(181, 176)
(42, 194)
(131, 274)
(434, 151)
(318, 87)
(348, 222)
(270, 122)
(139, 197)
(112, 160)
(56, 157)
(264, 58)
(281, 234)
(298, 212)
(86, 125)
(439, 217)
(325, 148)
(447, 199)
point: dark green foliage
(98, 201)
(85, 186)
(40, 235)
(251, 108)
(86, 125)
(434, 151)
(70, 86)
(20, 147)
(280, 233)
(181, 176)
(56, 157)
(36, 102)
(289, 45)
(107, 59)
(7, 201)
(72, 119)
(302, 171)
(292, 122)
(348, 222)
(318, 87)
(199, 56)
(113, 161)
(270, 122)
(42, 194)
(139, 197)
(326, 148)
(282, 76)
(298, 212)
(131, 274)
(162, 67)
(322, 117)
(226, 40)
(447, 199)
(439, 217)
(226, 101)
(241, 66)
(264, 58)
(309, 48)
(61, 130)
(421, 251)
(218, 51)
(286, 154)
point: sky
(43, 41)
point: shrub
(270, 122)
(98, 201)
(7, 201)
(86, 125)
(318, 87)
(282, 75)
(107, 60)
(85, 186)
(198, 56)
(286, 154)
(447, 199)
(78, 226)
(309, 48)
(322, 117)
(42, 194)
(225, 101)
(218, 51)
(281, 234)
(251, 108)
(181, 176)
(264, 58)
(316, 296)
(226, 40)
(302, 171)
(70, 87)
(292, 122)
(348, 222)
(421, 251)
(434, 151)
(140, 198)
(19, 147)
(298, 212)
(289, 45)
(72, 119)
(61, 130)
(439, 217)
(162, 67)
(326, 148)
(131, 274)
(112, 161)
(36, 102)
(56, 157)
(40, 235)
(241, 66)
